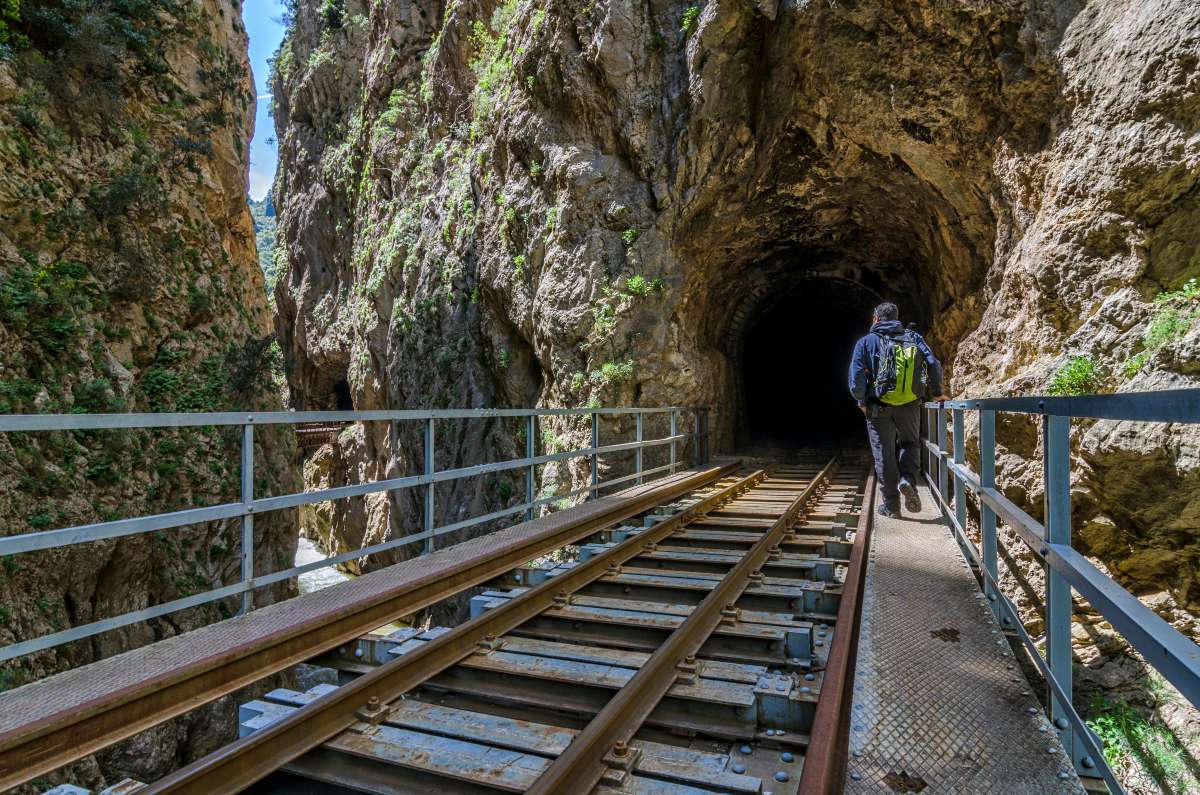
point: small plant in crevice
(641, 286)
(630, 236)
(690, 18)
(1174, 313)
(1079, 375)
(1131, 741)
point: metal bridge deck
(939, 703)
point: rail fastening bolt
(621, 748)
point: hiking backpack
(896, 369)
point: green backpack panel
(896, 370)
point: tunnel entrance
(794, 371)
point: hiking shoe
(912, 500)
(888, 513)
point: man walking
(890, 371)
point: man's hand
(943, 398)
(862, 407)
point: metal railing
(1171, 653)
(250, 506)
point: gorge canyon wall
(129, 281)
(589, 202)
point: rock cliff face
(599, 201)
(517, 204)
(128, 282)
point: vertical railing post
(704, 435)
(1057, 479)
(429, 495)
(674, 430)
(531, 470)
(594, 457)
(248, 517)
(696, 431)
(941, 443)
(987, 517)
(960, 488)
(638, 457)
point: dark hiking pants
(889, 427)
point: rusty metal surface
(57, 720)
(825, 762)
(240, 764)
(746, 703)
(584, 763)
(939, 703)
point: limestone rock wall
(517, 203)
(129, 282)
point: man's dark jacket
(866, 353)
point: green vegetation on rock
(1079, 375)
(1174, 313)
(263, 213)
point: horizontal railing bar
(116, 622)
(105, 625)
(1021, 523)
(50, 539)
(1171, 405)
(1163, 646)
(82, 422)
(631, 476)
(1167, 649)
(1081, 729)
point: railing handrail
(1167, 650)
(1169, 405)
(81, 422)
(250, 506)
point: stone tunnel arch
(785, 339)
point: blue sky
(262, 18)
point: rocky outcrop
(503, 204)
(129, 282)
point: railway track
(685, 656)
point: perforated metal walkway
(939, 703)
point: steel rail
(825, 760)
(238, 765)
(60, 738)
(583, 764)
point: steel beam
(987, 515)
(248, 518)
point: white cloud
(261, 97)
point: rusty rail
(604, 743)
(825, 762)
(240, 764)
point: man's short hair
(887, 311)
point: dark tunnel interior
(794, 362)
(794, 368)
